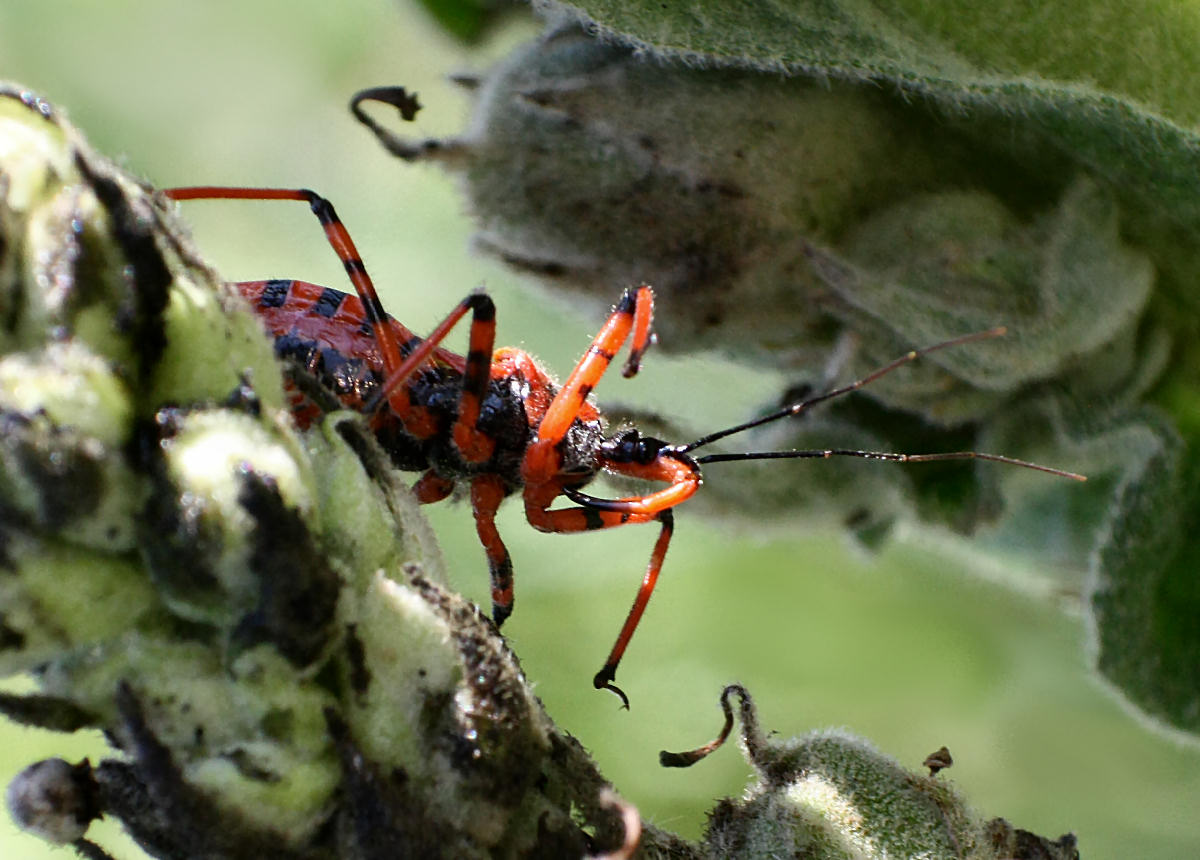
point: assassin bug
(494, 420)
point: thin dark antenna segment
(826, 453)
(797, 408)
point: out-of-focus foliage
(466, 19)
(812, 188)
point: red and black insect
(494, 419)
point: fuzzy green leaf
(1145, 592)
(818, 186)
(1112, 87)
(464, 19)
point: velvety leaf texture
(1113, 87)
(1048, 182)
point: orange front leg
(593, 513)
(633, 313)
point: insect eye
(630, 446)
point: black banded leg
(487, 492)
(474, 445)
(632, 314)
(604, 679)
(483, 312)
(339, 239)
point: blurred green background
(907, 648)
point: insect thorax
(325, 379)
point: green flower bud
(833, 796)
(773, 214)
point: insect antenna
(825, 453)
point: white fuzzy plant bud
(251, 612)
(833, 796)
(773, 213)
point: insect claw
(613, 688)
(604, 681)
